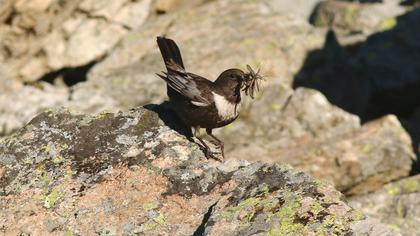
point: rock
(373, 78)
(266, 39)
(53, 35)
(378, 153)
(303, 129)
(91, 40)
(301, 8)
(395, 204)
(6, 8)
(87, 31)
(16, 112)
(282, 118)
(127, 173)
(121, 90)
(350, 17)
(166, 5)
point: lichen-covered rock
(127, 173)
(396, 204)
(303, 129)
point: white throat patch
(226, 109)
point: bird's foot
(214, 142)
(213, 155)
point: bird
(200, 102)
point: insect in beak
(251, 82)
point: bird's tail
(170, 52)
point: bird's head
(237, 80)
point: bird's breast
(226, 109)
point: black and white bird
(201, 103)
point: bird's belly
(207, 117)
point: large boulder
(128, 173)
(396, 204)
(303, 129)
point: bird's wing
(187, 84)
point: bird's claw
(209, 154)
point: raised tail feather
(170, 51)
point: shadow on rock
(168, 116)
(378, 76)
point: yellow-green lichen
(272, 46)
(131, 181)
(316, 208)
(101, 115)
(68, 212)
(160, 220)
(150, 172)
(149, 225)
(57, 159)
(287, 228)
(358, 215)
(68, 174)
(275, 107)
(367, 148)
(17, 186)
(393, 190)
(387, 24)
(249, 41)
(264, 189)
(350, 14)
(247, 203)
(28, 161)
(286, 217)
(411, 185)
(283, 167)
(46, 149)
(331, 223)
(64, 145)
(149, 206)
(51, 199)
(68, 233)
(126, 203)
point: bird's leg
(218, 142)
(205, 147)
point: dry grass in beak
(251, 83)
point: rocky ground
(129, 174)
(340, 103)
